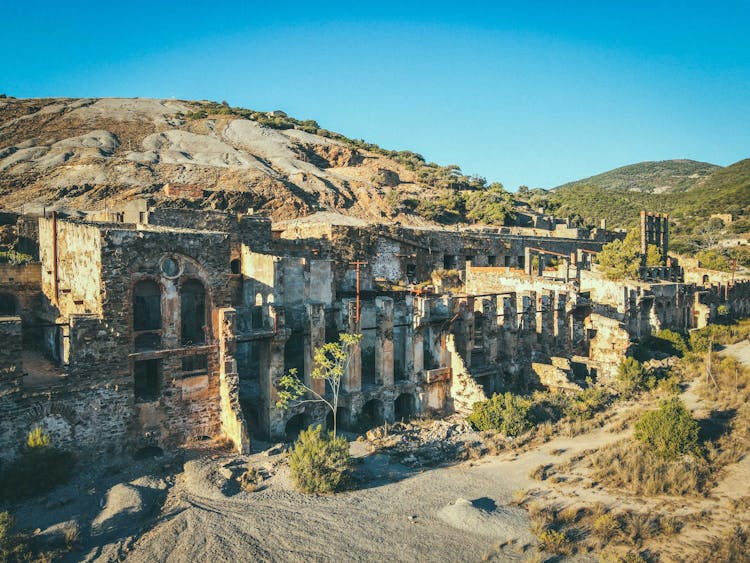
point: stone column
(384, 341)
(232, 419)
(352, 381)
(317, 318)
(275, 370)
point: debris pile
(423, 443)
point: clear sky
(522, 92)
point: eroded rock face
(119, 149)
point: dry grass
(541, 472)
(627, 464)
(733, 546)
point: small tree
(331, 361)
(621, 259)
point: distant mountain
(650, 177)
(689, 191)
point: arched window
(193, 312)
(146, 306)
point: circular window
(170, 267)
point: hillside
(650, 177)
(723, 190)
(96, 153)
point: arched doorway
(405, 406)
(295, 425)
(372, 414)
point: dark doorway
(8, 305)
(294, 354)
(193, 312)
(146, 380)
(372, 414)
(405, 406)
(295, 425)
(235, 267)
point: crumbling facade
(163, 327)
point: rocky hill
(97, 153)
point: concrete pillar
(384, 341)
(317, 318)
(527, 260)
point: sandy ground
(189, 507)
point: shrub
(631, 377)
(12, 546)
(670, 431)
(319, 461)
(250, 479)
(586, 403)
(669, 342)
(505, 412)
(606, 526)
(39, 469)
(555, 542)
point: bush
(505, 412)
(671, 431)
(669, 342)
(12, 546)
(555, 542)
(586, 403)
(40, 468)
(319, 461)
(631, 377)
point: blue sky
(535, 93)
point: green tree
(621, 259)
(670, 431)
(330, 363)
(492, 205)
(653, 256)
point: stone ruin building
(171, 326)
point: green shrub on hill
(670, 431)
(506, 413)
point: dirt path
(740, 350)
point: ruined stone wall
(10, 355)
(77, 262)
(23, 283)
(188, 403)
(87, 419)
